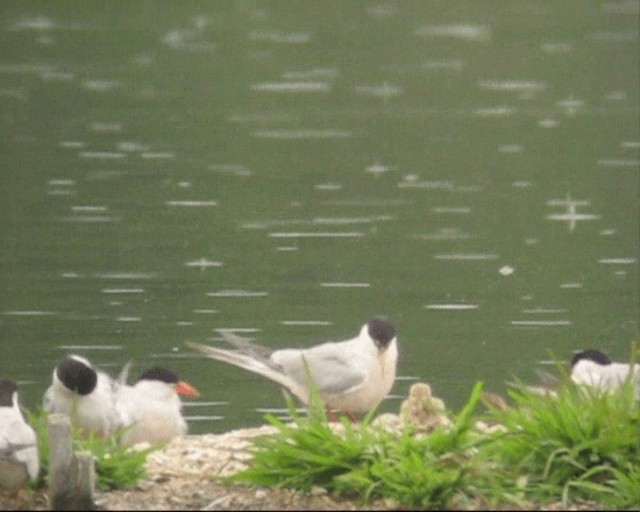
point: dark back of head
(77, 376)
(382, 332)
(7, 389)
(161, 374)
(590, 355)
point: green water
(467, 169)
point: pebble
(316, 490)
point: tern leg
(332, 416)
(351, 417)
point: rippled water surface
(469, 170)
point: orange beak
(186, 389)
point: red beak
(186, 389)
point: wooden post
(70, 476)
(85, 482)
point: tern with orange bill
(151, 409)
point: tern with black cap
(87, 396)
(352, 376)
(151, 409)
(594, 368)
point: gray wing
(244, 346)
(336, 369)
(265, 367)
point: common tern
(595, 369)
(352, 376)
(150, 410)
(87, 396)
(18, 443)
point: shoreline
(181, 476)
(185, 473)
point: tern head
(171, 379)
(7, 390)
(76, 374)
(591, 355)
(382, 332)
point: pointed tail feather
(245, 346)
(124, 374)
(259, 366)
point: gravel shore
(181, 477)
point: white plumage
(18, 443)
(151, 410)
(595, 369)
(86, 396)
(352, 376)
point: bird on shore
(151, 410)
(18, 442)
(595, 369)
(352, 376)
(87, 396)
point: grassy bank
(117, 466)
(579, 446)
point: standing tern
(352, 376)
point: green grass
(117, 467)
(581, 446)
(365, 461)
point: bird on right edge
(352, 376)
(595, 369)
